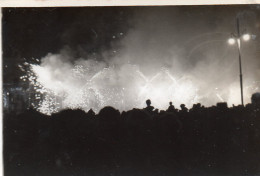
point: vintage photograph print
(131, 91)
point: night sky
(34, 32)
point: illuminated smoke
(61, 85)
(165, 56)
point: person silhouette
(255, 100)
(149, 108)
(183, 108)
(171, 108)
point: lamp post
(236, 38)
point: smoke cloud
(166, 55)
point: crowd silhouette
(215, 140)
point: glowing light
(246, 37)
(78, 88)
(231, 41)
(94, 85)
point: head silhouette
(170, 103)
(109, 113)
(148, 102)
(255, 99)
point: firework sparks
(93, 85)
(82, 90)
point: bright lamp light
(231, 41)
(246, 37)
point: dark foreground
(203, 141)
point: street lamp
(246, 37)
(231, 41)
(236, 38)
